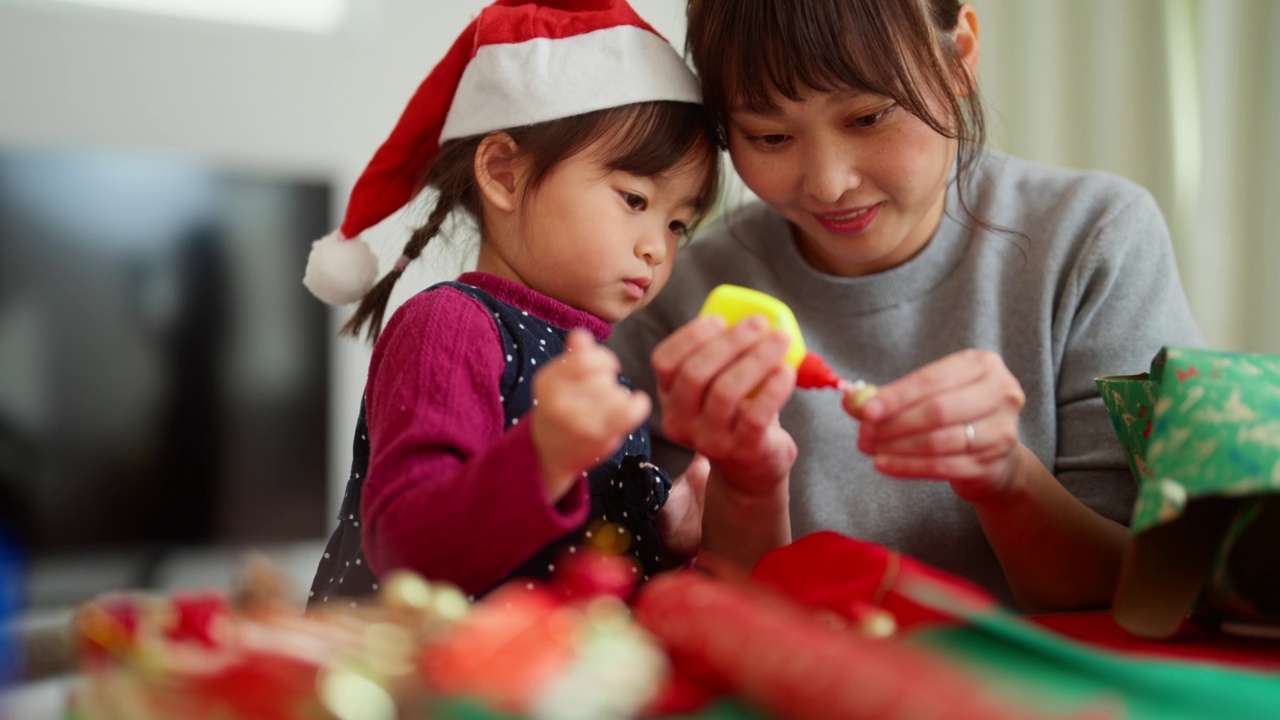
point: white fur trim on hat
(340, 271)
(514, 84)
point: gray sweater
(1085, 285)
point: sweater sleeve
(449, 494)
(1124, 302)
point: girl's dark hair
(749, 52)
(645, 139)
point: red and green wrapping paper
(1201, 430)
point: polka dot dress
(627, 491)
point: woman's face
(862, 181)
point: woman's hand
(581, 413)
(955, 419)
(721, 390)
(680, 520)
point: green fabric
(467, 709)
(1047, 671)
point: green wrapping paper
(1201, 431)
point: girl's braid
(374, 304)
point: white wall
(245, 99)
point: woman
(982, 293)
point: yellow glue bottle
(734, 303)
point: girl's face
(862, 181)
(598, 239)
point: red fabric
(847, 576)
(391, 178)
(1195, 642)
(553, 19)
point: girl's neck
(537, 304)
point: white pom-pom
(340, 271)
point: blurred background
(162, 176)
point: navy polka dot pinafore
(627, 491)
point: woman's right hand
(581, 413)
(721, 390)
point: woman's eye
(870, 121)
(769, 140)
(634, 201)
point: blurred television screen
(163, 372)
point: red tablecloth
(1192, 641)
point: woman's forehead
(776, 103)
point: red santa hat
(518, 63)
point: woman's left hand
(955, 419)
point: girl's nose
(652, 247)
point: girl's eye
(678, 228)
(870, 121)
(636, 202)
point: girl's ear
(967, 46)
(499, 174)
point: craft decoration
(562, 650)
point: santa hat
(518, 63)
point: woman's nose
(829, 173)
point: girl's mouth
(636, 287)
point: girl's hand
(581, 413)
(955, 419)
(721, 391)
(680, 520)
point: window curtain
(1182, 96)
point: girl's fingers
(585, 356)
(579, 340)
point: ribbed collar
(537, 304)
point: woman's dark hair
(749, 52)
(645, 139)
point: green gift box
(1201, 431)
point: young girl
(572, 133)
(983, 293)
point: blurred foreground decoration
(827, 627)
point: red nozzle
(814, 372)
